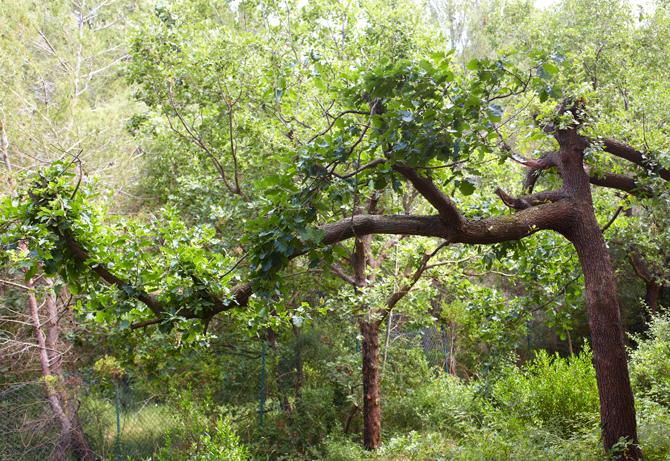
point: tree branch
(440, 201)
(522, 203)
(629, 153)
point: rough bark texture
(372, 432)
(617, 408)
(651, 298)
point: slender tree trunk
(567, 332)
(281, 372)
(4, 149)
(299, 376)
(372, 430)
(386, 340)
(60, 398)
(651, 298)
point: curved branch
(626, 152)
(619, 182)
(611, 221)
(522, 203)
(529, 162)
(440, 201)
(372, 164)
(321, 133)
(494, 230)
(550, 159)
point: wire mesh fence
(124, 426)
(433, 341)
(28, 426)
(128, 417)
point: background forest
(223, 229)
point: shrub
(649, 364)
(196, 440)
(653, 429)
(558, 394)
(445, 404)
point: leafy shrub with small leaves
(653, 429)
(649, 364)
(196, 440)
(557, 394)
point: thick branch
(494, 230)
(551, 216)
(629, 153)
(522, 203)
(619, 182)
(609, 180)
(440, 201)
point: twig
(616, 214)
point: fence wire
(28, 428)
(128, 418)
(433, 342)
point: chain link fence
(28, 427)
(128, 417)
(127, 425)
(433, 341)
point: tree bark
(372, 430)
(60, 398)
(580, 226)
(299, 376)
(617, 407)
(651, 298)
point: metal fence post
(118, 422)
(262, 384)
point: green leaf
(550, 68)
(467, 187)
(341, 251)
(473, 65)
(496, 112)
(30, 273)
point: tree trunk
(651, 298)
(299, 376)
(372, 430)
(281, 373)
(617, 408)
(61, 400)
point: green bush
(444, 403)
(403, 383)
(222, 444)
(653, 429)
(343, 449)
(649, 364)
(557, 394)
(196, 440)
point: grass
(143, 427)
